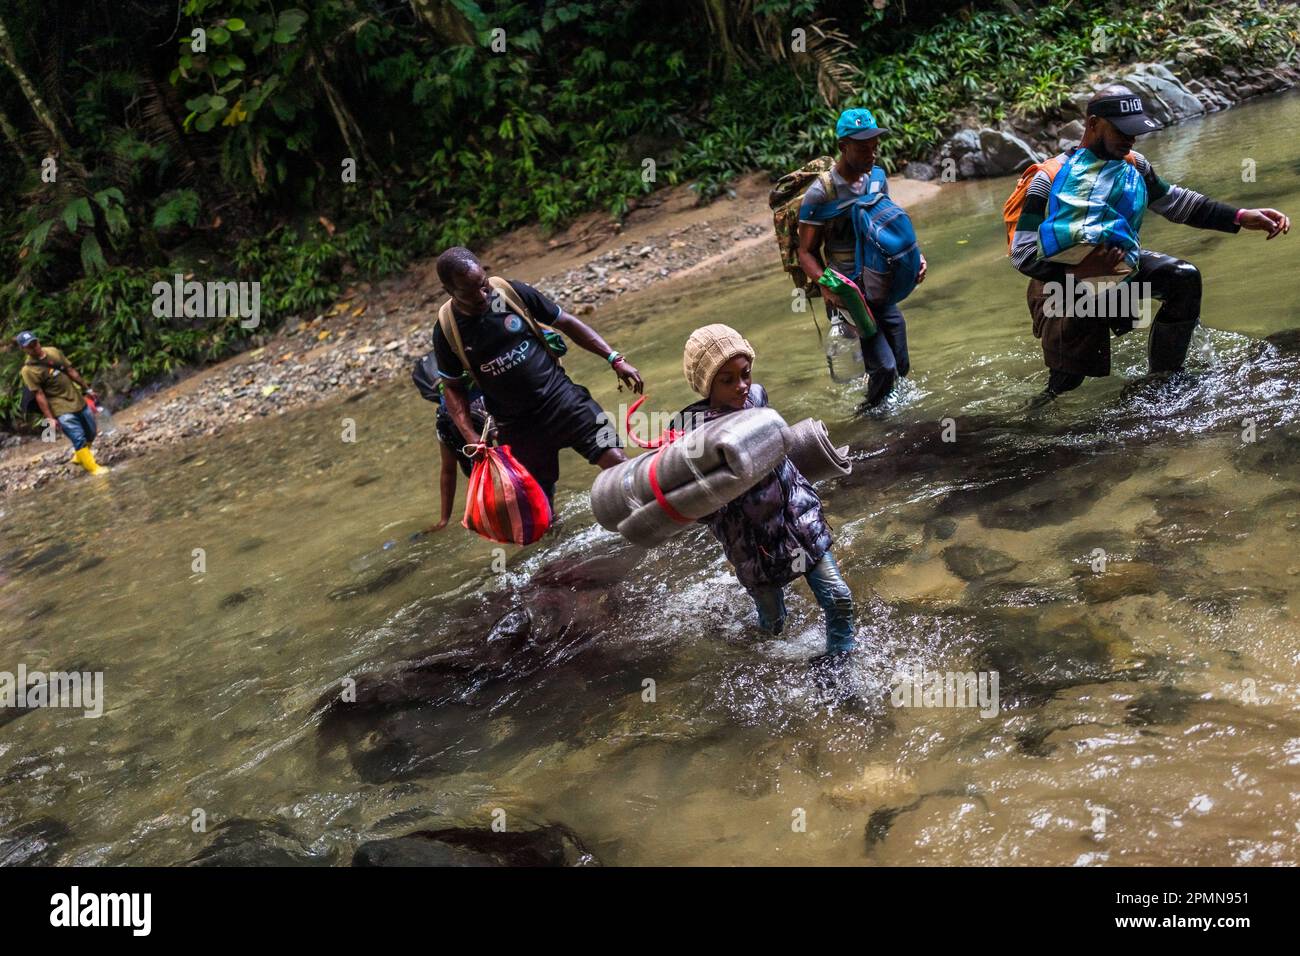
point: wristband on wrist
(613, 357)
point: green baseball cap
(857, 124)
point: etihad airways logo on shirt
(507, 360)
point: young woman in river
(775, 532)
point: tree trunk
(9, 58)
(446, 22)
(15, 140)
(720, 27)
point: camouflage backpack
(784, 201)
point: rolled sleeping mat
(809, 446)
(649, 526)
(697, 474)
(609, 497)
(747, 444)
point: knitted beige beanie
(707, 350)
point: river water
(1126, 562)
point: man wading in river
(854, 175)
(1102, 180)
(497, 339)
(57, 389)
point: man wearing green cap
(854, 175)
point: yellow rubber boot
(86, 459)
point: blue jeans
(80, 427)
(832, 594)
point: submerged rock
(878, 784)
(552, 845)
(1288, 340)
(941, 528)
(882, 820)
(1034, 660)
(384, 578)
(430, 714)
(1274, 452)
(1121, 579)
(39, 559)
(244, 842)
(236, 598)
(1163, 705)
(972, 563)
(34, 843)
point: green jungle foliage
(226, 159)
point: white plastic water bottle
(843, 353)
(103, 419)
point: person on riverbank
(60, 393)
(775, 532)
(834, 242)
(1076, 346)
(502, 347)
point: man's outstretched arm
(1187, 206)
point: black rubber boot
(1169, 344)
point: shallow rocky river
(1127, 563)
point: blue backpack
(885, 240)
(887, 243)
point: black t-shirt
(519, 378)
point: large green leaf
(181, 206)
(35, 239)
(79, 208)
(288, 24)
(92, 256)
(104, 196)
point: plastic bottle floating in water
(368, 560)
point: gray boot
(1169, 344)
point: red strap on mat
(669, 435)
(669, 510)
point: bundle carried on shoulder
(784, 200)
(651, 498)
(1093, 202)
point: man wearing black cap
(1075, 347)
